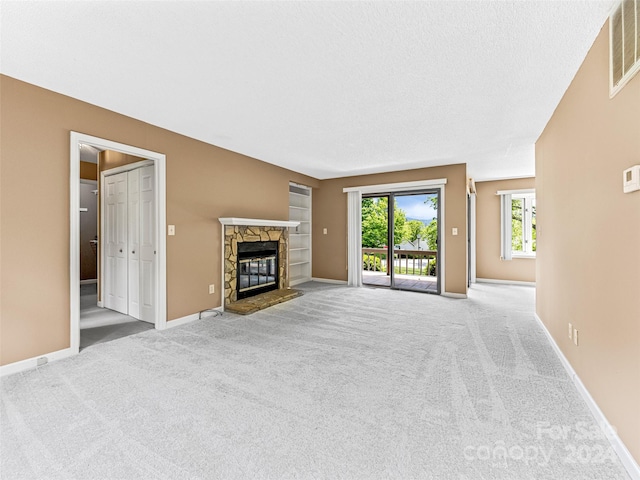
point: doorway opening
(400, 237)
(123, 226)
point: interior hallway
(98, 325)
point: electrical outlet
(212, 289)
(570, 331)
(324, 231)
(575, 336)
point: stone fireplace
(255, 257)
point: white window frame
(506, 233)
(527, 226)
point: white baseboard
(190, 318)
(100, 304)
(630, 464)
(453, 295)
(505, 282)
(89, 282)
(329, 280)
(31, 363)
(293, 283)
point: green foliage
(375, 216)
(533, 228)
(372, 263)
(412, 229)
(433, 200)
(375, 221)
(425, 270)
(399, 221)
(430, 233)
(516, 225)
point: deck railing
(407, 262)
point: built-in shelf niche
(300, 236)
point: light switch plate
(454, 231)
(172, 229)
(631, 179)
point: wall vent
(624, 44)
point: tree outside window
(523, 225)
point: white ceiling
(329, 89)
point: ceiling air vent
(624, 44)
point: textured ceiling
(328, 89)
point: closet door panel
(133, 237)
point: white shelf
(293, 264)
(300, 241)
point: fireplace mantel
(257, 222)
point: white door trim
(76, 139)
(398, 187)
(127, 167)
(472, 237)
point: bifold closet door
(147, 245)
(130, 246)
(115, 243)
(133, 232)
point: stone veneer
(233, 235)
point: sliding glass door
(400, 236)
(376, 216)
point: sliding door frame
(354, 206)
(439, 270)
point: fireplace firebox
(257, 268)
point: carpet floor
(339, 383)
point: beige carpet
(339, 383)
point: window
(523, 225)
(517, 224)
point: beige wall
(203, 183)
(109, 159)
(88, 171)
(330, 212)
(488, 262)
(588, 270)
